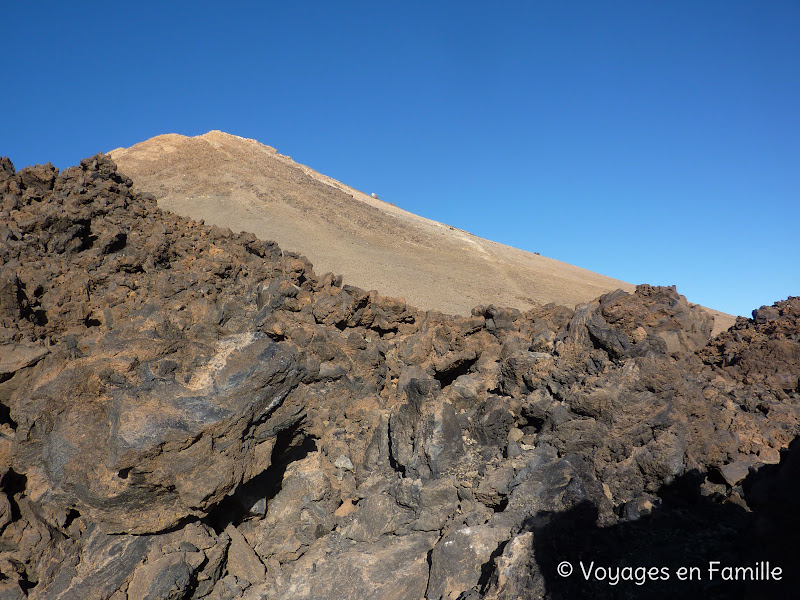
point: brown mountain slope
(239, 183)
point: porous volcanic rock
(197, 414)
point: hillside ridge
(237, 182)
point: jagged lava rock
(200, 415)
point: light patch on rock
(203, 378)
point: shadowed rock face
(196, 414)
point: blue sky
(655, 142)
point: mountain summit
(239, 183)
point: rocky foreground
(189, 413)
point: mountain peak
(239, 183)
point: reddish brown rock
(204, 407)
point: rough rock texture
(197, 414)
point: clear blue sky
(655, 142)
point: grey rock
(156, 462)
(457, 559)
(376, 515)
(735, 472)
(167, 578)
(396, 567)
(115, 556)
(14, 357)
(243, 562)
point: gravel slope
(239, 183)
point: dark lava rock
(186, 412)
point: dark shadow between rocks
(251, 498)
(687, 530)
(5, 411)
(11, 484)
(448, 376)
